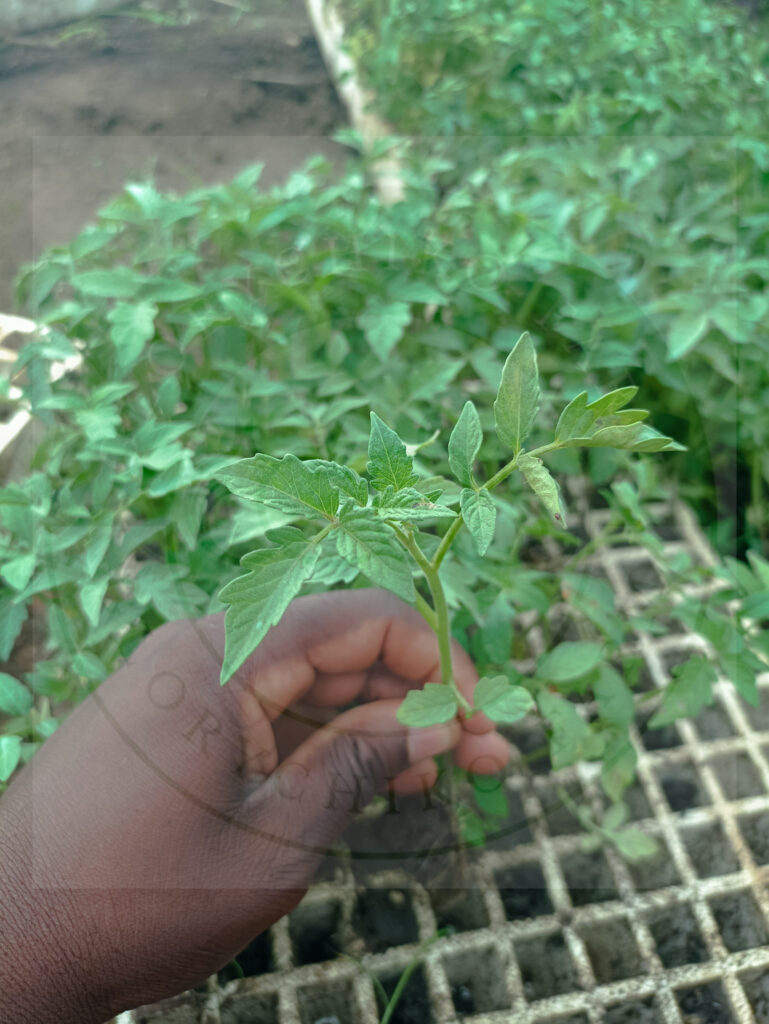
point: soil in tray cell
(384, 918)
(560, 820)
(523, 892)
(546, 967)
(634, 1013)
(664, 738)
(739, 921)
(589, 878)
(326, 1004)
(705, 1004)
(709, 850)
(642, 575)
(755, 831)
(459, 910)
(613, 951)
(756, 985)
(414, 1005)
(255, 959)
(313, 931)
(655, 872)
(682, 787)
(677, 937)
(477, 981)
(249, 1009)
(713, 723)
(737, 776)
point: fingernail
(437, 739)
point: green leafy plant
(379, 527)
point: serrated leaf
(571, 739)
(433, 704)
(15, 698)
(569, 660)
(480, 515)
(615, 700)
(689, 691)
(285, 484)
(132, 326)
(10, 752)
(544, 485)
(388, 462)
(517, 401)
(465, 443)
(500, 700)
(258, 600)
(383, 324)
(408, 505)
(367, 543)
(346, 480)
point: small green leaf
(489, 795)
(388, 462)
(133, 325)
(465, 443)
(574, 421)
(433, 704)
(15, 698)
(119, 283)
(517, 400)
(409, 505)
(615, 700)
(634, 844)
(18, 571)
(569, 660)
(12, 617)
(690, 690)
(609, 403)
(368, 543)
(383, 323)
(91, 597)
(258, 600)
(286, 484)
(618, 767)
(10, 752)
(187, 510)
(497, 698)
(546, 488)
(571, 739)
(685, 331)
(480, 516)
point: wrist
(44, 972)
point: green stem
(499, 476)
(427, 613)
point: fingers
(325, 782)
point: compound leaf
(465, 443)
(500, 700)
(517, 400)
(388, 461)
(368, 543)
(286, 484)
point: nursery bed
(544, 932)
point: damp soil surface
(86, 107)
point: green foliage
(145, 501)
(611, 163)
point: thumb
(310, 798)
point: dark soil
(655, 872)
(633, 1013)
(477, 982)
(613, 951)
(677, 937)
(255, 959)
(710, 851)
(385, 918)
(713, 723)
(589, 878)
(756, 985)
(125, 98)
(642, 576)
(739, 921)
(682, 787)
(546, 967)
(325, 1001)
(523, 892)
(738, 776)
(755, 831)
(459, 910)
(705, 1004)
(313, 929)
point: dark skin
(170, 820)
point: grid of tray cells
(546, 932)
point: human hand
(169, 820)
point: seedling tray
(544, 932)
